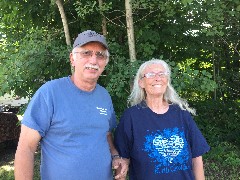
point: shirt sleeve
(123, 135)
(198, 143)
(113, 120)
(39, 112)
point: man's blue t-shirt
(160, 146)
(73, 125)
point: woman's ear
(141, 83)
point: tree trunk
(214, 69)
(64, 21)
(104, 21)
(130, 30)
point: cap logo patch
(90, 34)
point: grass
(223, 162)
(216, 170)
(7, 163)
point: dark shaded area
(7, 154)
(9, 129)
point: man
(72, 118)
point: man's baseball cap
(89, 36)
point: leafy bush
(40, 57)
(219, 121)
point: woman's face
(154, 80)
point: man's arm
(24, 157)
(111, 144)
(198, 170)
(118, 163)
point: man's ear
(71, 59)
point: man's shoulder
(54, 84)
(102, 89)
(57, 81)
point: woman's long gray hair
(138, 94)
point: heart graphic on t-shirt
(170, 147)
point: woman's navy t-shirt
(160, 146)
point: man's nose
(93, 58)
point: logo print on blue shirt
(168, 150)
(102, 110)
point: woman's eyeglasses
(152, 75)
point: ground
(6, 162)
(7, 156)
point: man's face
(89, 61)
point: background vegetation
(199, 39)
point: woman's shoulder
(136, 108)
(176, 108)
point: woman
(157, 134)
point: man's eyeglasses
(152, 75)
(100, 55)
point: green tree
(179, 31)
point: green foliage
(227, 153)
(186, 2)
(219, 122)
(175, 30)
(216, 170)
(222, 119)
(6, 175)
(85, 9)
(221, 14)
(190, 83)
(38, 59)
(228, 86)
(18, 17)
(119, 76)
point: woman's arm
(198, 170)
